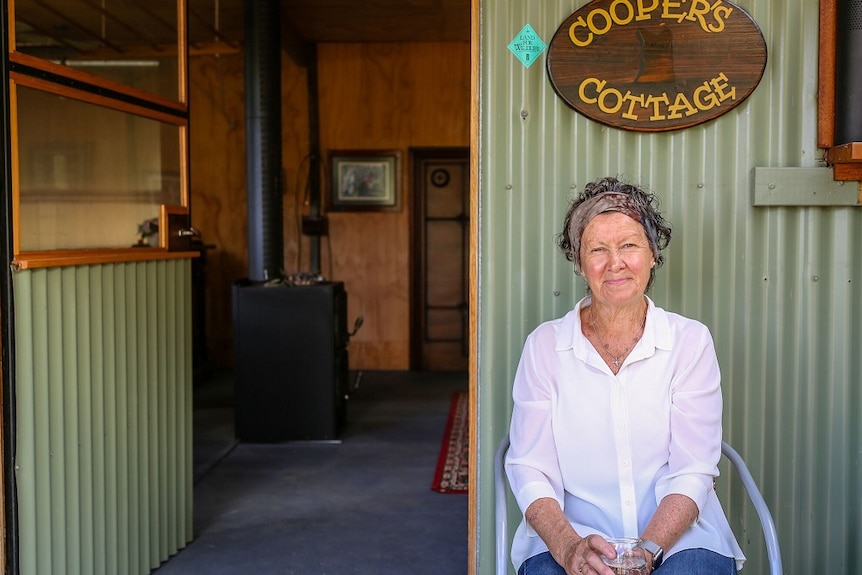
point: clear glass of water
(630, 559)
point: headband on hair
(600, 204)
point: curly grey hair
(612, 195)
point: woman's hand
(577, 555)
(584, 557)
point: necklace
(617, 359)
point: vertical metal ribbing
(103, 438)
(777, 286)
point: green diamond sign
(527, 46)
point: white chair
(501, 522)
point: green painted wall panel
(104, 416)
(778, 285)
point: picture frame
(364, 180)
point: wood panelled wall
(371, 96)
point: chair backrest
(501, 521)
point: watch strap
(655, 550)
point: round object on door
(440, 177)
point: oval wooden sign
(656, 65)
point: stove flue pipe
(264, 172)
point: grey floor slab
(360, 506)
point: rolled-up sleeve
(695, 420)
(531, 462)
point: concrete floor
(361, 506)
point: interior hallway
(361, 506)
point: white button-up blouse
(609, 447)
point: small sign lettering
(527, 46)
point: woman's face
(616, 259)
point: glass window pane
(88, 176)
(134, 43)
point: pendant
(617, 363)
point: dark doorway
(439, 326)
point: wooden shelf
(846, 161)
(29, 260)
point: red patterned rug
(452, 470)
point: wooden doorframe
(8, 507)
(473, 509)
(416, 159)
(8, 502)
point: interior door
(440, 312)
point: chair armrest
(770, 535)
(501, 514)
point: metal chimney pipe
(314, 150)
(264, 173)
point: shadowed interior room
(360, 77)
(338, 478)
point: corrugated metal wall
(104, 418)
(778, 286)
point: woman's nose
(616, 259)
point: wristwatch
(656, 552)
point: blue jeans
(687, 562)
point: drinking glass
(630, 559)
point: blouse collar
(657, 333)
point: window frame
(845, 159)
(39, 74)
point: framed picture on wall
(366, 180)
